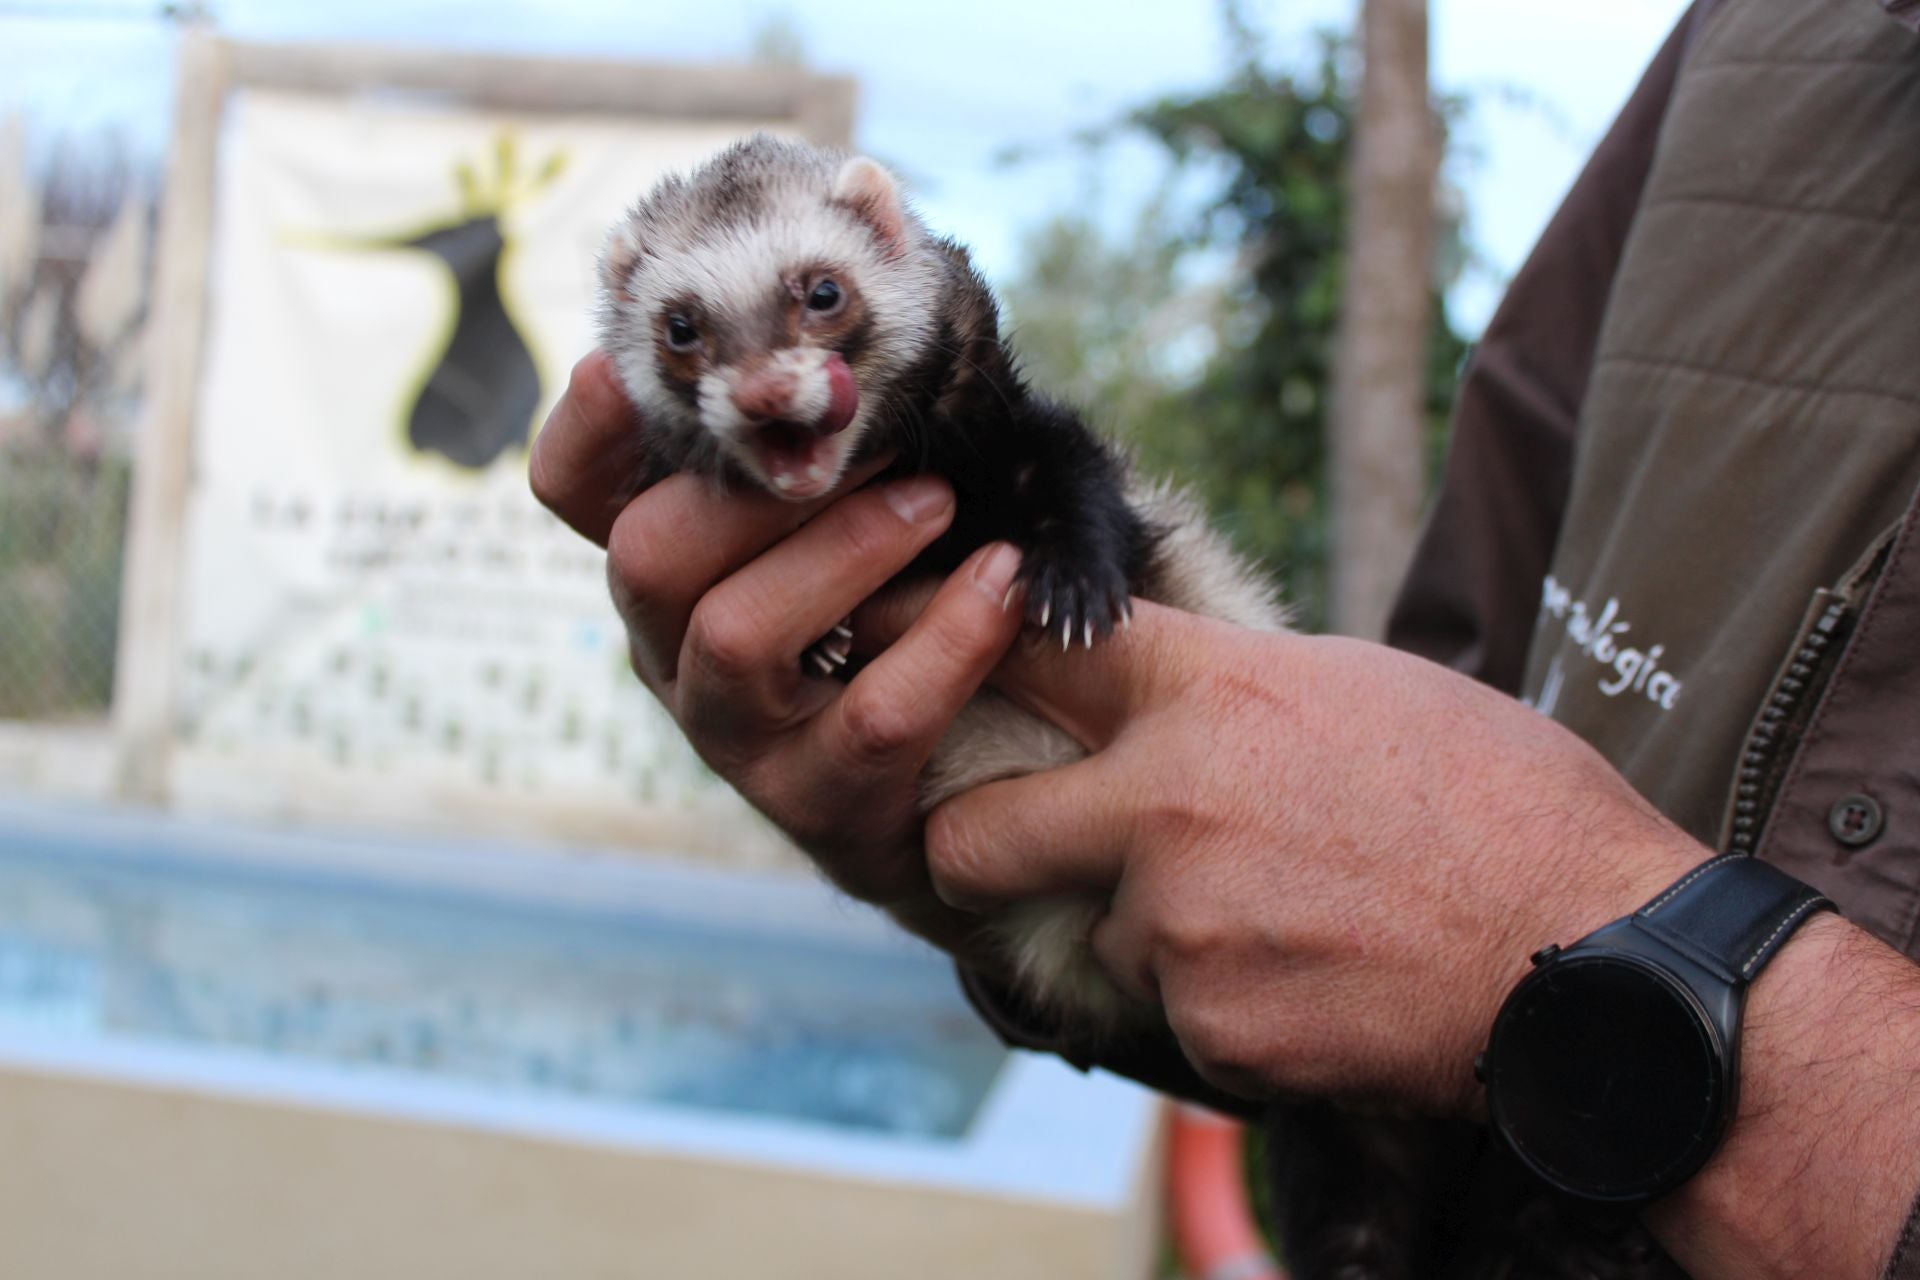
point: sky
(942, 95)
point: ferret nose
(765, 393)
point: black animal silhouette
(478, 402)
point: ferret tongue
(843, 397)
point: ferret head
(761, 310)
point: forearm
(962, 936)
(1820, 1168)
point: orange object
(1213, 1222)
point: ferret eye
(825, 296)
(680, 333)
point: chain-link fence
(75, 223)
(62, 525)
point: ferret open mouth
(802, 460)
(796, 460)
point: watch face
(1606, 1076)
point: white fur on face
(717, 409)
(812, 393)
(733, 271)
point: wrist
(1587, 893)
(1820, 1166)
(1612, 1070)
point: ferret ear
(871, 194)
(619, 258)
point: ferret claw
(1086, 633)
(1046, 612)
(1066, 634)
(820, 662)
(844, 631)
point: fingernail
(961, 902)
(993, 576)
(918, 498)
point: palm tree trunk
(1378, 456)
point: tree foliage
(1206, 337)
(73, 284)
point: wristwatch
(1613, 1069)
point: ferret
(782, 314)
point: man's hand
(722, 593)
(1327, 859)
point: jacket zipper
(1765, 750)
(1789, 705)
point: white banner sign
(377, 613)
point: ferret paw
(1076, 604)
(827, 655)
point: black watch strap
(1731, 914)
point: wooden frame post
(147, 657)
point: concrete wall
(109, 1180)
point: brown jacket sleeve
(1905, 1262)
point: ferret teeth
(816, 473)
(783, 482)
(1007, 602)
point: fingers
(1048, 833)
(896, 711)
(587, 456)
(675, 542)
(858, 761)
(740, 662)
(886, 615)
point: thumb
(1092, 693)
